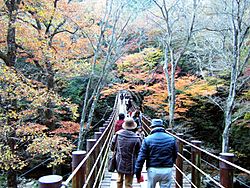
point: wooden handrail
(206, 152)
(102, 142)
(106, 131)
(225, 171)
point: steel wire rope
(65, 183)
(209, 164)
(60, 152)
(185, 176)
(104, 165)
(107, 148)
(196, 148)
(97, 159)
(201, 171)
(212, 155)
(176, 182)
(85, 158)
(46, 160)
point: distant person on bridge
(128, 104)
(118, 123)
(121, 97)
(127, 148)
(159, 150)
(137, 117)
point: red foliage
(67, 127)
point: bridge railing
(88, 167)
(225, 160)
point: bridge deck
(110, 178)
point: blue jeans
(161, 175)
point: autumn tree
(107, 50)
(41, 34)
(223, 45)
(175, 21)
(20, 128)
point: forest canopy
(62, 62)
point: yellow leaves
(184, 82)
(58, 148)
(31, 129)
(201, 88)
(10, 160)
(74, 110)
(114, 89)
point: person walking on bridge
(118, 123)
(159, 150)
(127, 148)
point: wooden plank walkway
(110, 178)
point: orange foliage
(31, 128)
(67, 127)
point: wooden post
(105, 124)
(90, 162)
(179, 162)
(97, 135)
(169, 130)
(79, 179)
(196, 160)
(50, 181)
(102, 129)
(226, 171)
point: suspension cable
(201, 171)
(185, 176)
(204, 151)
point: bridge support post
(97, 135)
(50, 181)
(79, 179)
(90, 162)
(179, 163)
(102, 129)
(99, 147)
(196, 160)
(226, 171)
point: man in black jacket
(160, 151)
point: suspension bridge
(193, 164)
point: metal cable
(206, 152)
(185, 176)
(205, 174)
(209, 164)
(91, 150)
(97, 160)
(176, 182)
(35, 167)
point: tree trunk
(83, 116)
(233, 81)
(93, 106)
(12, 7)
(11, 174)
(225, 135)
(48, 114)
(172, 96)
(12, 179)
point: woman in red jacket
(118, 123)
